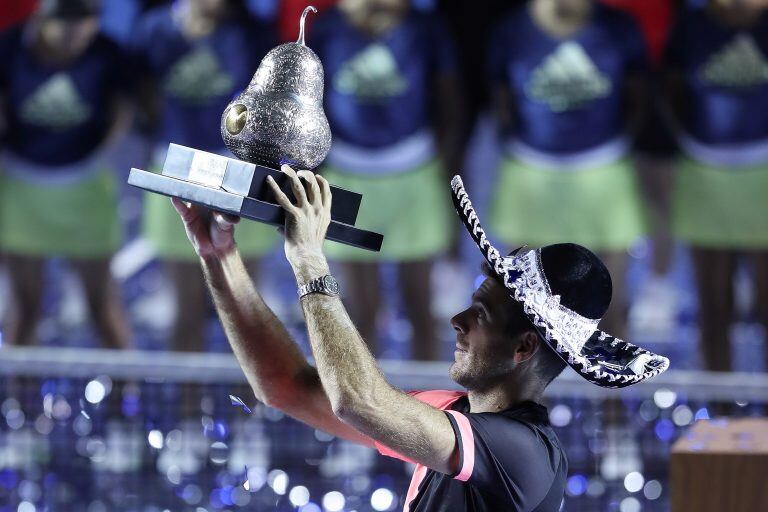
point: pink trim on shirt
(467, 446)
(413, 489)
(441, 400)
(438, 399)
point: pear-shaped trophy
(278, 119)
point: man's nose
(459, 322)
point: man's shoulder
(438, 398)
(526, 426)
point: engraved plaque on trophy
(278, 119)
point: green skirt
(411, 209)
(75, 220)
(163, 229)
(720, 208)
(598, 207)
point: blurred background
(636, 128)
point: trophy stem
(300, 40)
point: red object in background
(14, 11)
(654, 17)
(290, 12)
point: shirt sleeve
(505, 457)
(439, 399)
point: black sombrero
(570, 327)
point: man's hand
(212, 233)
(306, 222)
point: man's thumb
(225, 222)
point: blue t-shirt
(567, 93)
(58, 115)
(378, 90)
(197, 78)
(726, 77)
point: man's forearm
(271, 360)
(348, 371)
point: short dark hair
(517, 322)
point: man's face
(484, 349)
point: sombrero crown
(565, 290)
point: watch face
(331, 284)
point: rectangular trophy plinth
(240, 188)
(721, 465)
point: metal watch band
(326, 285)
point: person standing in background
(719, 84)
(393, 106)
(61, 81)
(656, 303)
(199, 55)
(563, 70)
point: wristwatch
(326, 285)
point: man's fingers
(225, 222)
(298, 189)
(280, 196)
(313, 194)
(325, 191)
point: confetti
(237, 401)
(85, 414)
(247, 483)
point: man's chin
(459, 375)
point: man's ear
(527, 347)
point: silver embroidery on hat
(570, 328)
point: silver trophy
(278, 119)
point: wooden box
(721, 465)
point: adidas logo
(55, 104)
(197, 77)
(567, 79)
(740, 63)
(371, 74)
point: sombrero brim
(600, 358)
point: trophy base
(185, 177)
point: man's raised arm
(273, 364)
(358, 392)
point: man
(488, 449)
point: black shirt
(510, 461)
